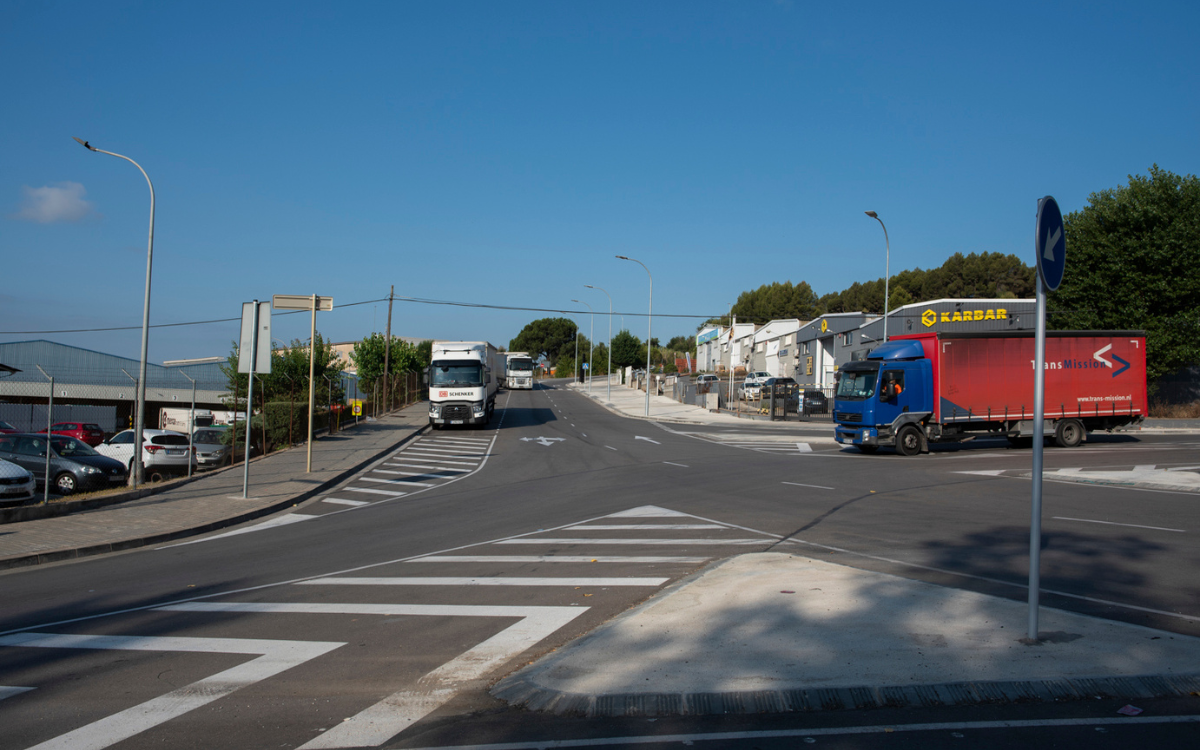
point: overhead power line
(415, 300)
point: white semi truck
(520, 371)
(463, 379)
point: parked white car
(751, 387)
(16, 484)
(164, 452)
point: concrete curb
(524, 694)
(21, 561)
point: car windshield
(69, 447)
(6, 426)
(208, 437)
(459, 373)
(858, 384)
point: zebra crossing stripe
(400, 482)
(555, 559)
(498, 581)
(561, 540)
(647, 527)
(340, 501)
(274, 656)
(376, 492)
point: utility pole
(387, 351)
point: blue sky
(503, 153)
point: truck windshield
(518, 365)
(858, 383)
(457, 373)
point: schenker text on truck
(923, 388)
(463, 379)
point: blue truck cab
(885, 399)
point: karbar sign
(930, 317)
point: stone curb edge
(41, 558)
(521, 693)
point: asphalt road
(379, 613)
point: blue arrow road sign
(1050, 243)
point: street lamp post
(135, 476)
(591, 341)
(649, 321)
(609, 357)
(887, 271)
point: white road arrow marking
(543, 440)
(648, 440)
(1051, 241)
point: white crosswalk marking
(631, 540)
(505, 581)
(342, 501)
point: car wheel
(65, 483)
(1069, 433)
(908, 441)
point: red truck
(931, 387)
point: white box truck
(463, 379)
(180, 420)
(519, 374)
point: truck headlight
(478, 409)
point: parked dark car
(6, 428)
(74, 466)
(815, 402)
(784, 388)
(84, 431)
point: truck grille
(845, 416)
(456, 411)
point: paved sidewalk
(770, 632)
(212, 500)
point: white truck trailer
(519, 374)
(463, 379)
(180, 420)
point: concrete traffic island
(772, 632)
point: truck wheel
(908, 441)
(1069, 433)
(868, 449)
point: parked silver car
(16, 484)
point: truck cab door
(891, 395)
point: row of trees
(1132, 259)
(557, 339)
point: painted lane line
(411, 474)
(814, 486)
(463, 452)
(564, 540)
(554, 559)
(813, 732)
(610, 447)
(804, 447)
(287, 520)
(369, 491)
(672, 463)
(983, 473)
(1112, 523)
(387, 718)
(399, 482)
(273, 657)
(648, 440)
(645, 526)
(341, 501)
(7, 691)
(477, 443)
(502, 581)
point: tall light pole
(649, 321)
(887, 272)
(609, 357)
(135, 475)
(591, 341)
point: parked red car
(85, 431)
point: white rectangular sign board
(302, 302)
(247, 342)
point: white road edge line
(815, 486)
(502, 581)
(1113, 523)
(672, 463)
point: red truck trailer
(950, 386)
